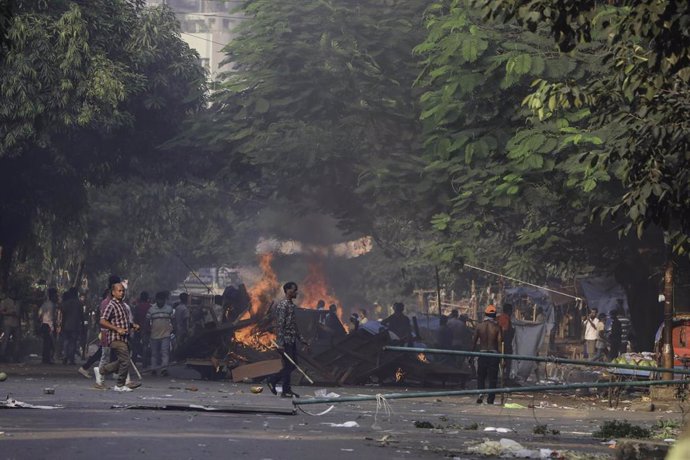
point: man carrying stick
(287, 334)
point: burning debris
(246, 347)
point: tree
(320, 99)
(643, 91)
(320, 113)
(89, 91)
(507, 176)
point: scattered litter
(498, 430)
(509, 448)
(49, 391)
(191, 388)
(350, 424)
(347, 450)
(10, 403)
(514, 406)
(669, 440)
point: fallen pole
(543, 359)
(485, 391)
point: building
(207, 26)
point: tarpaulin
(528, 339)
(604, 293)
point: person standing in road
(505, 322)
(591, 325)
(117, 322)
(46, 318)
(141, 346)
(615, 335)
(160, 317)
(72, 322)
(288, 335)
(182, 319)
(11, 328)
(488, 336)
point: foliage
(518, 190)
(151, 232)
(320, 108)
(89, 91)
(642, 93)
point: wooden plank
(258, 369)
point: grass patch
(617, 429)
(544, 430)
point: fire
(422, 358)
(315, 287)
(261, 295)
(399, 374)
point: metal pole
(531, 389)
(542, 359)
(667, 351)
(438, 292)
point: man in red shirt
(505, 322)
(117, 321)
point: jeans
(160, 352)
(70, 338)
(48, 344)
(487, 367)
(121, 365)
(284, 375)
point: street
(93, 423)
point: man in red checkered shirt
(117, 321)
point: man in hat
(488, 335)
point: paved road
(91, 424)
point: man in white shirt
(591, 326)
(46, 317)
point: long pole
(293, 362)
(438, 292)
(667, 351)
(543, 359)
(531, 389)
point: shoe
(84, 372)
(122, 389)
(100, 386)
(480, 400)
(164, 373)
(289, 394)
(272, 387)
(133, 385)
(99, 377)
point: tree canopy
(89, 91)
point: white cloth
(591, 328)
(47, 313)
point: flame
(261, 294)
(422, 358)
(315, 287)
(399, 374)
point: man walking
(287, 337)
(160, 317)
(488, 335)
(117, 321)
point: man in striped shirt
(117, 321)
